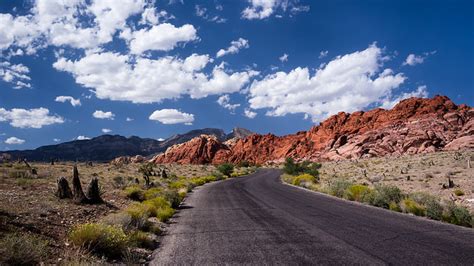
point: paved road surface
(258, 220)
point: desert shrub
(244, 164)
(22, 249)
(410, 206)
(118, 182)
(153, 193)
(337, 187)
(383, 195)
(458, 192)
(433, 207)
(160, 208)
(121, 219)
(107, 240)
(394, 207)
(19, 174)
(434, 210)
(178, 184)
(303, 180)
(356, 192)
(218, 175)
(226, 169)
(141, 239)
(139, 214)
(458, 215)
(173, 197)
(293, 168)
(134, 193)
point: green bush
(139, 214)
(458, 192)
(160, 208)
(394, 207)
(107, 240)
(293, 168)
(458, 215)
(153, 193)
(383, 195)
(178, 184)
(173, 197)
(141, 239)
(22, 249)
(226, 169)
(434, 210)
(433, 207)
(134, 193)
(121, 219)
(303, 180)
(410, 206)
(338, 187)
(356, 192)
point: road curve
(258, 220)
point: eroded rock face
(413, 126)
(199, 150)
(128, 159)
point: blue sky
(157, 68)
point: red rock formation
(199, 150)
(414, 125)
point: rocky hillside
(415, 125)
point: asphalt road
(258, 220)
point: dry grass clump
(22, 249)
(102, 239)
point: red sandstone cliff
(414, 125)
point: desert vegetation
(431, 185)
(87, 213)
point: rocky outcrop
(199, 150)
(128, 159)
(415, 125)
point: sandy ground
(28, 204)
(412, 173)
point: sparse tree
(146, 170)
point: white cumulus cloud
(224, 101)
(413, 59)
(99, 114)
(234, 47)
(81, 137)
(250, 114)
(162, 37)
(347, 83)
(117, 77)
(29, 118)
(106, 130)
(172, 116)
(14, 141)
(420, 92)
(63, 99)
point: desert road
(258, 220)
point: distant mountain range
(108, 147)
